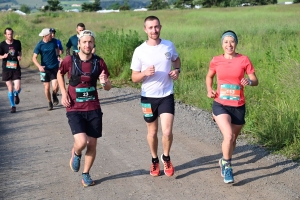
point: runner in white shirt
(152, 65)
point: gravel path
(35, 148)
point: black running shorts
(11, 75)
(88, 122)
(153, 107)
(51, 74)
(237, 114)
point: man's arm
(65, 99)
(177, 63)
(35, 61)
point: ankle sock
(166, 158)
(155, 160)
(227, 163)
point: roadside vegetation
(269, 35)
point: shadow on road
(250, 153)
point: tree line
(54, 5)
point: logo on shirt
(168, 55)
(11, 51)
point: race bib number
(11, 64)
(230, 92)
(85, 94)
(147, 110)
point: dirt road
(35, 148)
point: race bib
(230, 92)
(85, 94)
(43, 76)
(147, 110)
(11, 64)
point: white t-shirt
(161, 56)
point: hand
(149, 71)
(211, 94)
(65, 100)
(19, 58)
(245, 81)
(174, 74)
(5, 55)
(103, 78)
(42, 68)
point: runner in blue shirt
(48, 68)
(59, 45)
(73, 40)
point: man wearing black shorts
(11, 53)
(81, 101)
(152, 65)
(48, 68)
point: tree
(125, 6)
(158, 5)
(24, 8)
(90, 7)
(53, 5)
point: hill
(34, 4)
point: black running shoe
(17, 99)
(55, 99)
(50, 107)
(13, 109)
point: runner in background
(229, 101)
(48, 68)
(73, 41)
(11, 54)
(59, 45)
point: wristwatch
(178, 69)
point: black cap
(52, 30)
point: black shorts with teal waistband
(88, 122)
(159, 106)
(237, 114)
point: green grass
(269, 35)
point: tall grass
(269, 35)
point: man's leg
(10, 95)
(90, 154)
(47, 94)
(17, 90)
(167, 139)
(167, 135)
(152, 137)
(153, 144)
(47, 91)
(54, 91)
(89, 158)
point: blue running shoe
(87, 180)
(222, 167)
(75, 162)
(228, 175)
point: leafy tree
(90, 7)
(296, 1)
(125, 6)
(24, 8)
(53, 5)
(158, 5)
